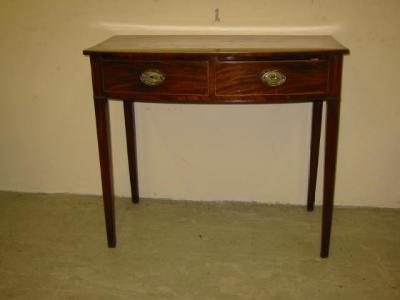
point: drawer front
(295, 77)
(156, 77)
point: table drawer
(155, 77)
(295, 77)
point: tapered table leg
(314, 153)
(331, 141)
(129, 111)
(104, 142)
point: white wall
(248, 153)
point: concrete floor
(53, 247)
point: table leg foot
(104, 143)
(331, 141)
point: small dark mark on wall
(216, 13)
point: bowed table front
(218, 69)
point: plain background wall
(248, 153)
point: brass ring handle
(273, 78)
(152, 77)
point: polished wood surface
(331, 143)
(129, 113)
(182, 78)
(104, 141)
(314, 153)
(105, 156)
(304, 77)
(218, 69)
(217, 44)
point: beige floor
(53, 247)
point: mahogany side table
(218, 69)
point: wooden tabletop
(216, 44)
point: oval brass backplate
(273, 78)
(152, 77)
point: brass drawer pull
(152, 77)
(273, 78)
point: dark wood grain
(219, 69)
(332, 127)
(103, 138)
(212, 44)
(104, 145)
(215, 99)
(331, 143)
(243, 78)
(129, 112)
(314, 153)
(181, 78)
